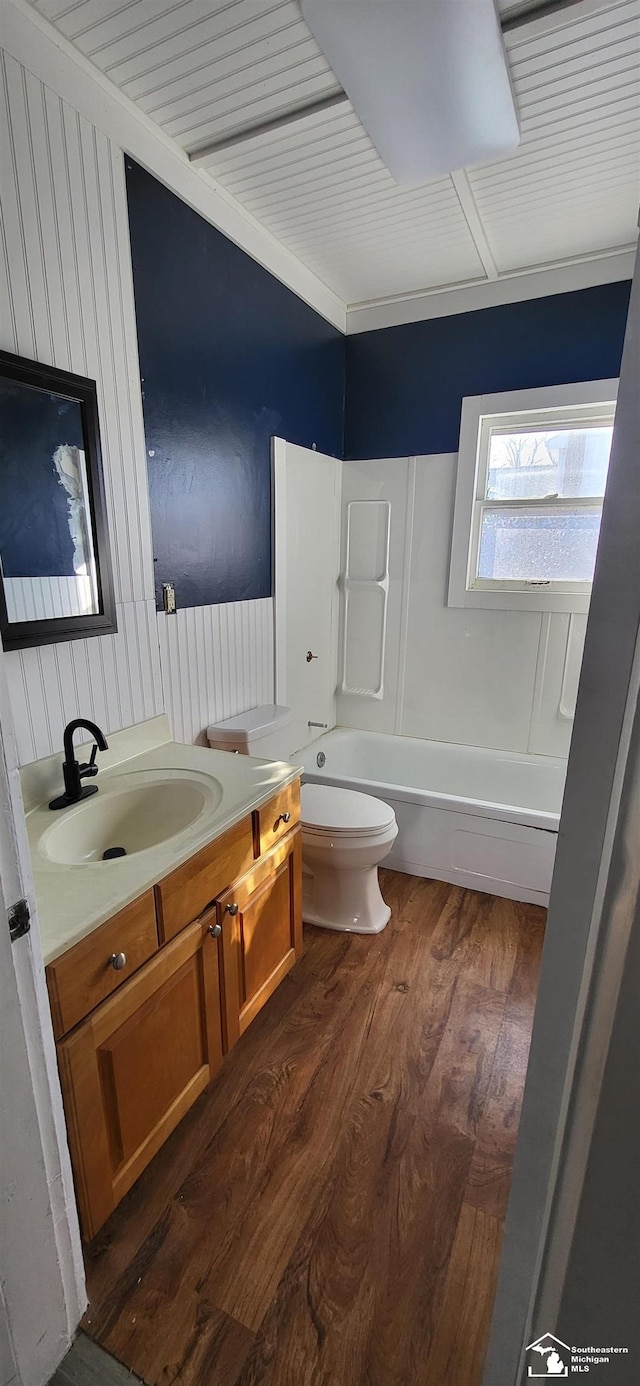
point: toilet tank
(259, 732)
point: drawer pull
(118, 961)
(282, 818)
(215, 930)
(231, 909)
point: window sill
(576, 603)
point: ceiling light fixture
(428, 79)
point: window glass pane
(538, 545)
(537, 462)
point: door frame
(592, 912)
(42, 1257)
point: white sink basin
(136, 812)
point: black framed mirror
(55, 566)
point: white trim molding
(43, 1283)
(540, 281)
(470, 480)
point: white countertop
(73, 899)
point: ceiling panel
(573, 186)
(202, 68)
(325, 192)
(210, 70)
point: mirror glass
(54, 561)
(46, 541)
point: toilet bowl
(345, 834)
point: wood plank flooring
(330, 1212)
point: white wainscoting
(43, 598)
(66, 298)
(66, 289)
(503, 679)
(216, 661)
(114, 679)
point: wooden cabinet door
(134, 1067)
(261, 920)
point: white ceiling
(209, 70)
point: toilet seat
(327, 811)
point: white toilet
(345, 835)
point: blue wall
(405, 385)
(229, 356)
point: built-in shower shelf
(365, 587)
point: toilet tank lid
(256, 722)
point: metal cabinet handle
(215, 930)
(282, 818)
(310, 656)
(118, 961)
(231, 909)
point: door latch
(19, 920)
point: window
(532, 469)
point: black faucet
(74, 773)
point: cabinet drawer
(278, 817)
(183, 895)
(85, 975)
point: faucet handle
(90, 768)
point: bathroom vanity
(157, 961)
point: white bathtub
(479, 818)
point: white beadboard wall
(41, 598)
(216, 661)
(66, 298)
(113, 679)
(503, 679)
(69, 292)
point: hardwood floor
(330, 1212)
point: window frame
(480, 413)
